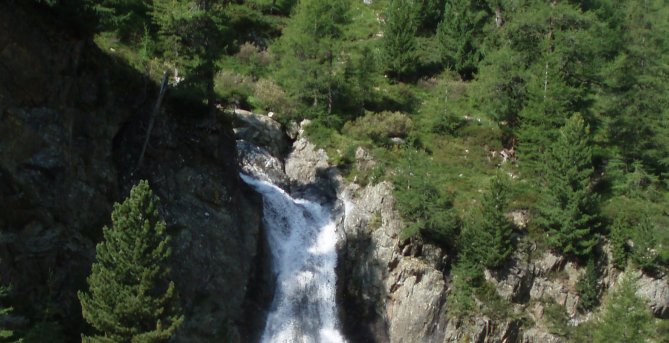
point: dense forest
(472, 109)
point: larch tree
(486, 238)
(309, 52)
(460, 34)
(399, 38)
(130, 296)
(636, 101)
(625, 318)
(569, 208)
(192, 34)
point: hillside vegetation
(472, 109)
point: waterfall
(302, 241)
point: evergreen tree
(192, 34)
(460, 34)
(558, 45)
(568, 210)
(309, 51)
(487, 236)
(588, 287)
(619, 237)
(399, 38)
(130, 297)
(625, 318)
(636, 86)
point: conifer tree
(568, 210)
(460, 32)
(487, 236)
(636, 104)
(618, 238)
(399, 38)
(130, 297)
(192, 34)
(625, 318)
(309, 50)
(588, 287)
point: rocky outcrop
(261, 131)
(72, 123)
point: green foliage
(45, 331)
(130, 297)
(192, 36)
(643, 252)
(637, 98)
(459, 34)
(309, 52)
(500, 87)
(425, 208)
(588, 287)
(465, 278)
(6, 335)
(625, 317)
(380, 127)
(568, 209)
(620, 234)
(486, 236)
(557, 318)
(399, 38)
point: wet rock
(255, 160)
(260, 130)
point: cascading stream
(302, 241)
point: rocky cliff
(394, 291)
(72, 123)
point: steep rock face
(72, 122)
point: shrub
(380, 127)
(269, 96)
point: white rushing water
(302, 240)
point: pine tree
(625, 318)
(487, 236)
(568, 210)
(130, 297)
(399, 38)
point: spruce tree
(130, 296)
(399, 38)
(487, 236)
(568, 208)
